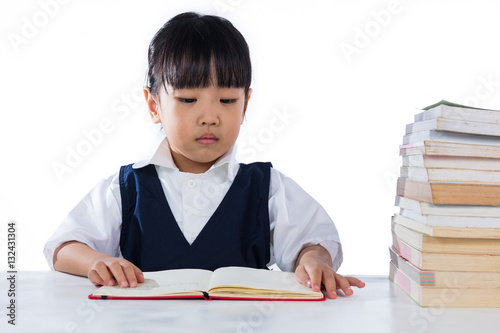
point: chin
(208, 160)
(208, 155)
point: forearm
(76, 258)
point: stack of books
(446, 237)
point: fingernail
(111, 282)
(123, 284)
(133, 284)
(308, 283)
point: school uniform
(232, 215)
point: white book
(454, 125)
(451, 162)
(417, 138)
(451, 221)
(450, 149)
(451, 175)
(425, 208)
(450, 110)
(456, 232)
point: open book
(223, 283)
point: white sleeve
(95, 221)
(297, 220)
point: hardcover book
(224, 283)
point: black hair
(193, 50)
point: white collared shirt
(296, 219)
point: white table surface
(57, 302)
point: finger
(132, 273)
(302, 277)
(139, 275)
(343, 283)
(330, 284)
(95, 278)
(102, 270)
(130, 276)
(117, 271)
(355, 282)
(315, 276)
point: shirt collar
(162, 157)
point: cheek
(175, 128)
(234, 129)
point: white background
(67, 67)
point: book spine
(146, 297)
(424, 278)
(405, 283)
(407, 252)
(267, 299)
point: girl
(192, 205)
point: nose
(209, 116)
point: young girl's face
(201, 124)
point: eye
(227, 101)
(186, 100)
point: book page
(257, 279)
(177, 281)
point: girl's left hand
(313, 269)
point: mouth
(207, 139)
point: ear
(153, 104)
(246, 104)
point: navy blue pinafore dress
(237, 234)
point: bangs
(196, 51)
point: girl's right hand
(105, 271)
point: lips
(207, 139)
